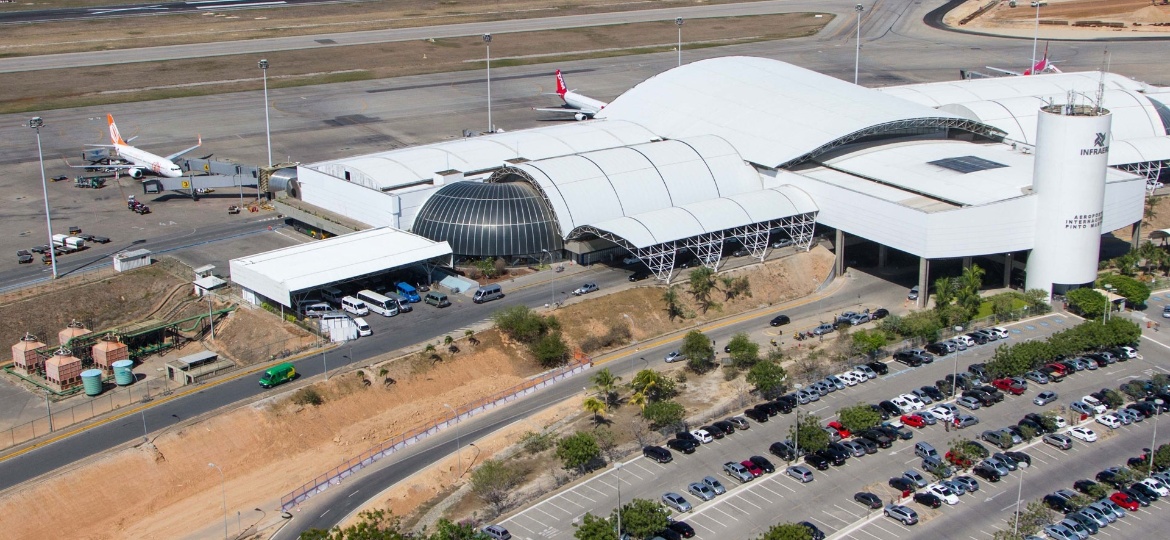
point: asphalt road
(145, 10)
(749, 509)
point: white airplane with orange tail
(141, 161)
(581, 107)
(1043, 66)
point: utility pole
(487, 40)
(857, 55)
(679, 21)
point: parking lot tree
(921, 325)
(1015, 360)
(787, 531)
(662, 414)
(858, 417)
(807, 431)
(1088, 302)
(1162, 457)
(1113, 398)
(768, 378)
(596, 407)
(494, 481)
(744, 352)
(1122, 331)
(383, 525)
(593, 527)
(868, 342)
(1032, 519)
(1027, 433)
(606, 384)
(578, 450)
(1133, 390)
(1135, 292)
(644, 518)
(1037, 300)
(1097, 491)
(964, 451)
(652, 384)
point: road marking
(325, 512)
(354, 493)
(720, 510)
(846, 511)
(744, 499)
(550, 503)
(826, 512)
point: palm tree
(1151, 210)
(944, 292)
(972, 279)
(595, 406)
(670, 297)
(605, 382)
(639, 399)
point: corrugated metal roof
(278, 273)
(772, 112)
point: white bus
(379, 304)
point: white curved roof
(660, 191)
(405, 166)
(937, 94)
(772, 112)
(1139, 150)
(1133, 114)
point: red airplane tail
(561, 88)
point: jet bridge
(204, 174)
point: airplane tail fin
(115, 137)
(561, 88)
(1040, 66)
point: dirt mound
(250, 336)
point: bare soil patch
(251, 336)
(1059, 17)
(222, 74)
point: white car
(1157, 486)
(1059, 421)
(702, 435)
(944, 493)
(942, 413)
(1084, 434)
(849, 378)
(1109, 420)
(914, 401)
(999, 331)
(1130, 352)
(905, 406)
(860, 375)
(1095, 404)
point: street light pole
(618, 466)
(487, 40)
(553, 279)
(1019, 497)
(210, 315)
(1035, 40)
(223, 492)
(458, 447)
(37, 123)
(1158, 403)
(325, 363)
(857, 55)
(49, 408)
(267, 129)
(679, 21)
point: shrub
(534, 442)
(308, 396)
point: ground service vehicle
(278, 374)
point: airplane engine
(580, 116)
(134, 173)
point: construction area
(1061, 19)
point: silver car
(902, 514)
(702, 491)
(1045, 397)
(676, 501)
(737, 471)
(799, 472)
(714, 484)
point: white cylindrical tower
(1072, 150)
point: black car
(639, 275)
(756, 414)
(987, 472)
(937, 349)
(901, 483)
(763, 463)
(908, 358)
(1060, 504)
(813, 531)
(1036, 428)
(1020, 457)
(980, 339)
(713, 431)
(933, 393)
(993, 392)
(783, 451)
(839, 454)
(770, 407)
(1111, 478)
(890, 408)
(686, 435)
(879, 367)
(929, 500)
(818, 461)
(1045, 425)
(879, 313)
(1145, 490)
(1137, 496)
(870, 446)
(681, 527)
(984, 398)
(668, 534)
(727, 427)
(877, 437)
(869, 500)
(657, 453)
(1084, 485)
(831, 456)
(779, 320)
(884, 414)
(685, 446)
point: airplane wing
(177, 154)
(564, 110)
(1006, 71)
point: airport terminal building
(737, 152)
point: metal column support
(966, 262)
(839, 247)
(1135, 240)
(659, 259)
(1009, 260)
(754, 238)
(883, 254)
(707, 247)
(923, 281)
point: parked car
(1045, 397)
(657, 453)
(868, 500)
(700, 490)
(685, 446)
(928, 500)
(737, 471)
(1058, 440)
(800, 472)
(901, 513)
(1084, 434)
(714, 484)
(676, 501)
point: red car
(752, 468)
(913, 420)
(1058, 368)
(844, 433)
(1124, 501)
(1010, 386)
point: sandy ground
(1140, 17)
(251, 335)
(269, 448)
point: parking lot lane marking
(586, 497)
(538, 509)
(513, 523)
(744, 499)
(626, 470)
(700, 525)
(572, 502)
(846, 511)
(725, 513)
(883, 529)
(826, 512)
(869, 533)
(550, 503)
(770, 491)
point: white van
(316, 309)
(487, 293)
(355, 306)
(363, 328)
(332, 294)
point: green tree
(870, 341)
(1113, 398)
(1097, 491)
(768, 378)
(593, 527)
(445, 529)
(702, 280)
(807, 431)
(697, 348)
(550, 350)
(1162, 457)
(606, 384)
(642, 518)
(1031, 519)
(1135, 292)
(858, 417)
(674, 308)
(944, 291)
(652, 384)
(970, 283)
(578, 450)
(523, 324)
(494, 481)
(1088, 302)
(663, 413)
(371, 525)
(922, 325)
(744, 352)
(595, 406)
(1002, 305)
(787, 531)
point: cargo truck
(69, 243)
(278, 374)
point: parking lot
(749, 509)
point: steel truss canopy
(281, 273)
(776, 114)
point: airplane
(581, 107)
(141, 161)
(1043, 66)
